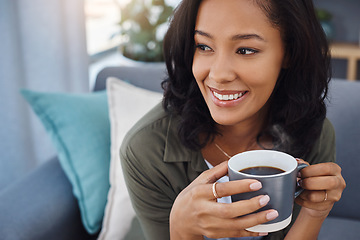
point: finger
(314, 196)
(238, 186)
(233, 233)
(228, 228)
(217, 228)
(213, 174)
(257, 218)
(320, 183)
(321, 169)
(299, 160)
(323, 206)
(240, 208)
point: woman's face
(237, 61)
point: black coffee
(262, 170)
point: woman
(243, 75)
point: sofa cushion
(127, 104)
(80, 130)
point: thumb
(299, 160)
(215, 173)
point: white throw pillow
(127, 104)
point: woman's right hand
(196, 213)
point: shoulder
(153, 142)
(148, 133)
(326, 141)
(141, 155)
(152, 151)
(328, 129)
(153, 158)
(324, 148)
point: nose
(222, 69)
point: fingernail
(299, 174)
(263, 234)
(264, 200)
(272, 215)
(255, 186)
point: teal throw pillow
(79, 127)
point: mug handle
(299, 189)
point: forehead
(229, 16)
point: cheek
(265, 73)
(200, 69)
(267, 69)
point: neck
(233, 140)
(242, 137)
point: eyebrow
(233, 38)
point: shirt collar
(176, 152)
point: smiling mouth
(228, 97)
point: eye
(247, 51)
(203, 47)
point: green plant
(325, 19)
(323, 15)
(142, 27)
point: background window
(102, 18)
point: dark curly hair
(297, 104)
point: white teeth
(228, 97)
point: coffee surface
(262, 170)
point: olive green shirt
(157, 167)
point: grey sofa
(32, 208)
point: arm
(305, 227)
(151, 198)
(323, 186)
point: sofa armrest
(41, 206)
(343, 112)
(335, 228)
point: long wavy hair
(297, 104)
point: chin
(225, 120)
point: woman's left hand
(323, 184)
